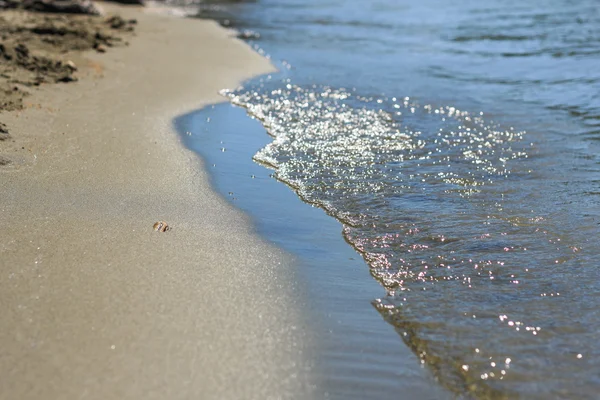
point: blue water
(359, 355)
(457, 144)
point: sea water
(457, 145)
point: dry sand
(97, 305)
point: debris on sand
(36, 48)
(161, 226)
(53, 6)
(3, 132)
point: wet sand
(98, 305)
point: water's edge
(474, 203)
(361, 355)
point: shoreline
(100, 305)
(360, 355)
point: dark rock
(4, 53)
(3, 132)
(4, 161)
(248, 35)
(22, 51)
(53, 6)
(11, 97)
(43, 69)
(65, 77)
(139, 2)
(116, 22)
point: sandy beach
(96, 304)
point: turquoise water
(457, 145)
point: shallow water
(458, 145)
(359, 355)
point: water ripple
(427, 197)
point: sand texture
(36, 48)
(95, 303)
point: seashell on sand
(161, 226)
